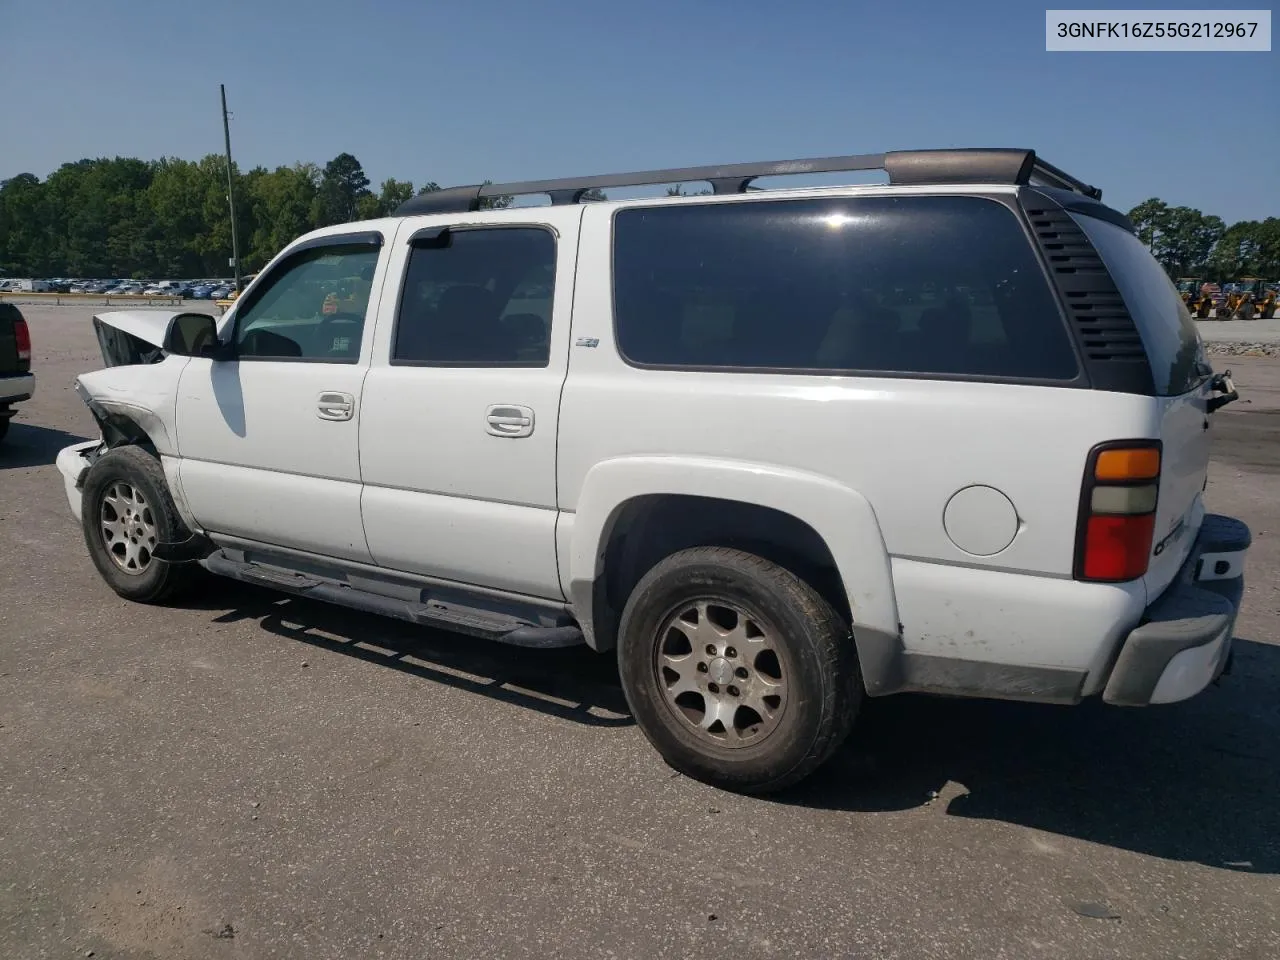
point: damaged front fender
(135, 404)
(134, 398)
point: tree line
(1189, 243)
(125, 217)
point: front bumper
(1184, 640)
(73, 463)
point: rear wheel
(739, 673)
(125, 512)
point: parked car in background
(16, 381)
(26, 285)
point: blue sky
(457, 92)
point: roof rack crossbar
(979, 165)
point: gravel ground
(249, 776)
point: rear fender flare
(841, 516)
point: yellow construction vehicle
(1198, 301)
(1256, 299)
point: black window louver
(1110, 343)
(1096, 309)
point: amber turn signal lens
(1140, 463)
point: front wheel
(739, 673)
(125, 512)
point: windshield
(1170, 336)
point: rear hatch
(1181, 375)
(8, 341)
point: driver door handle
(334, 405)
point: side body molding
(841, 516)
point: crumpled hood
(147, 325)
(130, 337)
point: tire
(803, 676)
(129, 479)
(1269, 311)
(1245, 311)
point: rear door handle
(508, 420)
(333, 405)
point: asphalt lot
(250, 776)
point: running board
(501, 625)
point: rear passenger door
(458, 436)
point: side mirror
(191, 335)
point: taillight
(22, 338)
(1118, 511)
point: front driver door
(269, 439)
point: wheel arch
(125, 424)
(632, 512)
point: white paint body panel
(443, 497)
(998, 616)
(258, 462)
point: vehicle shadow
(571, 683)
(31, 445)
(1195, 781)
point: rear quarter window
(1169, 335)
(920, 286)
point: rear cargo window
(1169, 335)
(933, 286)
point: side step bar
(475, 621)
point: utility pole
(231, 195)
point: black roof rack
(975, 165)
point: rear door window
(1169, 335)
(478, 297)
(922, 286)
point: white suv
(783, 449)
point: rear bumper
(1184, 640)
(15, 389)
